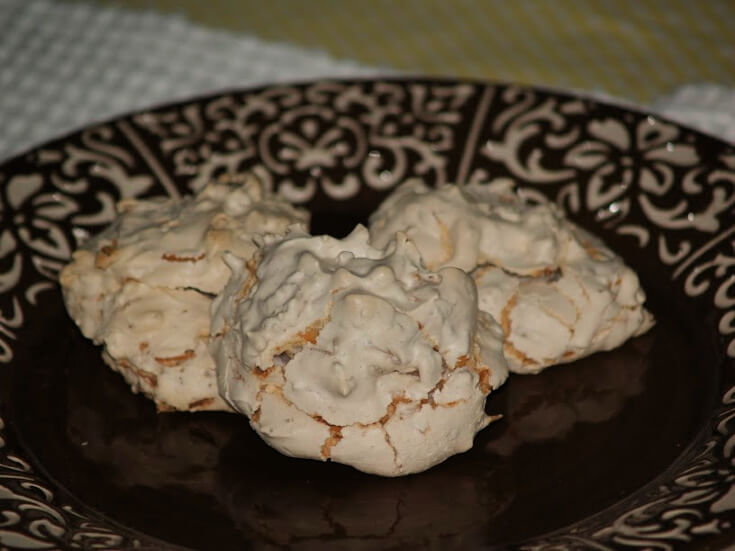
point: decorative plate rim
(43, 192)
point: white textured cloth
(65, 65)
(706, 107)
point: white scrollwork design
(636, 177)
(45, 212)
(614, 165)
(301, 135)
(33, 519)
(47, 208)
(525, 122)
(700, 279)
(639, 177)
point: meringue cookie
(558, 292)
(144, 286)
(338, 350)
(469, 226)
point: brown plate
(627, 449)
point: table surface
(638, 50)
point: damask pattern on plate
(331, 137)
(668, 191)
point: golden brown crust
(335, 435)
(171, 257)
(201, 403)
(173, 361)
(105, 256)
(505, 323)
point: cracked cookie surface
(144, 286)
(558, 292)
(338, 350)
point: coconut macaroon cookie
(144, 286)
(558, 292)
(338, 350)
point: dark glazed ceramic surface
(627, 449)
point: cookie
(558, 292)
(338, 350)
(144, 286)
